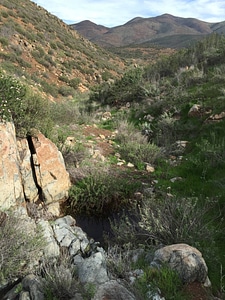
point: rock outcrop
(30, 169)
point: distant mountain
(165, 30)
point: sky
(118, 12)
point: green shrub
(4, 13)
(53, 45)
(134, 147)
(20, 105)
(127, 89)
(4, 41)
(36, 114)
(139, 154)
(48, 88)
(119, 261)
(66, 91)
(64, 78)
(12, 95)
(74, 83)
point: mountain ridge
(140, 30)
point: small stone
(176, 179)
(149, 168)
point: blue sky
(117, 12)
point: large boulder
(10, 176)
(187, 261)
(51, 174)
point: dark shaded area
(95, 227)
(32, 163)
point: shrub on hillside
(127, 89)
(66, 91)
(20, 105)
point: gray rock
(70, 221)
(31, 283)
(51, 250)
(71, 236)
(74, 248)
(64, 234)
(92, 269)
(24, 296)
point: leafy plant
(12, 95)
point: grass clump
(19, 246)
(101, 192)
(60, 280)
(164, 282)
(134, 146)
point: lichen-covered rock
(32, 284)
(186, 260)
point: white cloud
(117, 12)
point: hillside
(39, 48)
(155, 30)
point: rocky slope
(42, 50)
